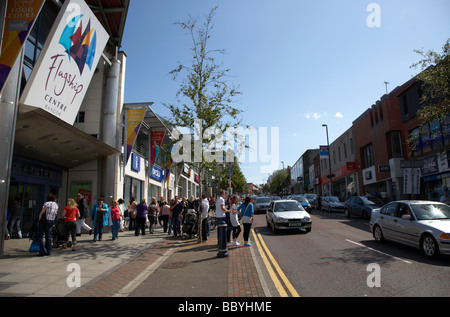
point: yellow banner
(134, 121)
(20, 17)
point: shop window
(436, 134)
(396, 144)
(38, 35)
(368, 156)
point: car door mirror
(406, 217)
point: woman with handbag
(246, 210)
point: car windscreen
(262, 201)
(300, 199)
(370, 200)
(333, 199)
(431, 211)
(287, 206)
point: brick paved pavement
(238, 270)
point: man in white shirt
(205, 209)
(220, 206)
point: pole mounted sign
(67, 62)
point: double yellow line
(273, 266)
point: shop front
(344, 182)
(30, 184)
(436, 175)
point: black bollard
(222, 240)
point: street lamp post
(329, 160)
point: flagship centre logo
(67, 63)
(80, 45)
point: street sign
(411, 181)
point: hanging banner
(63, 72)
(156, 140)
(134, 122)
(19, 20)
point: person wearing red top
(70, 215)
(115, 217)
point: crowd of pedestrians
(172, 215)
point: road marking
(389, 255)
(263, 247)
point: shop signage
(157, 173)
(19, 20)
(435, 164)
(135, 162)
(63, 72)
(384, 168)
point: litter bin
(222, 240)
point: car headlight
(282, 220)
(307, 219)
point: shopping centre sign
(67, 62)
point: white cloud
(317, 116)
(338, 115)
(307, 116)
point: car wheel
(378, 234)
(429, 246)
(346, 213)
(274, 230)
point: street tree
(434, 79)
(205, 100)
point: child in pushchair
(58, 234)
(190, 225)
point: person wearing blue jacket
(99, 217)
(246, 209)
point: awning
(151, 120)
(112, 14)
(43, 137)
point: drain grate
(175, 265)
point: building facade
(344, 182)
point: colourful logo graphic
(79, 45)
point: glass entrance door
(28, 195)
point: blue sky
(299, 64)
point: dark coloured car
(332, 203)
(361, 206)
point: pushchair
(190, 225)
(59, 234)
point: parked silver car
(421, 224)
(287, 214)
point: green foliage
(435, 79)
(205, 93)
(435, 84)
(279, 181)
